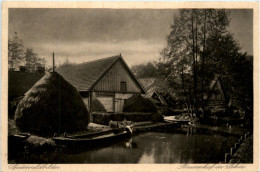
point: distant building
(109, 80)
(19, 82)
(216, 98)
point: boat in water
(18, 137)
(94, 139)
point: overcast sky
(87, 34)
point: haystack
(51, 106)
(138, 103)
(97, 106)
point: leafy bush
(101, 118)
(157, 117)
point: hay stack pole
(53, 63)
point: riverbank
(244, 154)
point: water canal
(185, 145)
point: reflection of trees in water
(159, 148)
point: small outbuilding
(20, 82)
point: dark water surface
(201, 144)
(187, 145)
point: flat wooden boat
(18, 137)
(93, 139)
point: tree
(17, 55)
(31, 59)
(190, 50)
(15, 52)
(66, 63)
(144, 70)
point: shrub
(157, 117)
(138, 117)
(101, 118)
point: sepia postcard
(130, 86)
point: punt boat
(93, 139)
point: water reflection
(184, 145)
(130, 144)
(156, 147)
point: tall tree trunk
(194, 60)
(182, 79)
(203, 58)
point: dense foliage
(145, 70)
(200, 47)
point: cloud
(134, 52)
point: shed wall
(112, 79)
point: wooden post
(53, 63)
(226, 157)
(90, 101)
(236, 145)
(231, 151)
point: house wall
(106, 98)
(113, 102)
(112, 79)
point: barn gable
(216, 96)
(217, 92)
(118, 79)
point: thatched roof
(51, 106)
(86, 75)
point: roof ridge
(105, 58)
(92, 61)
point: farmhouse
(109, 80)
(20, 82)
(216, 97)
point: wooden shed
(109, 80)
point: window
(123, 86)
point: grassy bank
(244, 154)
